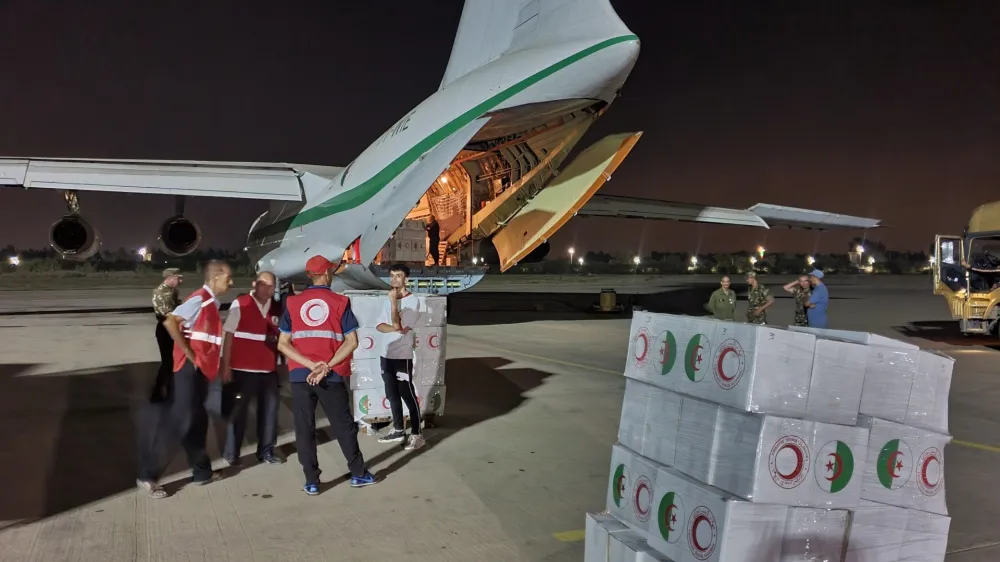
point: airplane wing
(760, 215)
(242, 180)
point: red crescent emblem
(839, 467)
(645, 346)
(638, 490)
(718, 364)
(369, 342)
(694, 531)
(923, 471)
(891, 464)
(385, 403)
(432, 341)
(798, 462)
(668, 515)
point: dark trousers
(434, 242)
(335, 398)
(264, 386)
(163, 387)
(183, 418)
(399, 391)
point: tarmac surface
(523, 452)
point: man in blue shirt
(820, 297)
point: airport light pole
(636, 261)
(571, 252)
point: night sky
(881, 109)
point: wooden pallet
(372, 425)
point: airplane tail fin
(490, 29)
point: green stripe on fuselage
(364, 191)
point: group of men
(315, 332)
(810, 294)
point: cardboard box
(771, 459)
(630, 489)
(902, 383)
(368, 305)
(367, 373)
(814, 534)
(649, 421)
(875, 533)
(754, 368)
(905, 466)
(597, 536)
(926, 537)
(372, 403)
(632, 547)
(696, 523)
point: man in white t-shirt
(399, 317)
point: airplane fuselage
(371, 196)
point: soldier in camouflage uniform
(165, 300)
(799, 290)
(759, 300)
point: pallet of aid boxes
(722, 431)
(903, 515)
(367, 387)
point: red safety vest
(251, 351)
(204, 338)
(316, 331)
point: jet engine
(179, 236)
(74, 238)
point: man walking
(165, 300)
(759, 299)
(318, 336)
(249, 360)
(722, 303)
(196, 328)
(820, 297)
(800, 292)
(399, 317)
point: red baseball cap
(318, 265)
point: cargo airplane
(483, 154)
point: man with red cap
(318, 336)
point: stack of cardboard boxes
(741, 442)
(367, 388)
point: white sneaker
(415, 442)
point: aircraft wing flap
(206, 179)
(543, 215)
(638, 208)
(761, 215)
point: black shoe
(271, 458)
(393, 436)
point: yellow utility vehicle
(967, 271)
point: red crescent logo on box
(640, 347)
(931, 474)
(369, 342)
(385, 403)
(433, 341)
(702, 533)
(789, 461)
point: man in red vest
(196, 328)
(318, 336)
(250, 360)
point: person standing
(318, 336)
(249, 361)
(400, 314)
(196, 328)
(165, 300)
(759, 299)
(799, 290)
(818, 300)
(433, 239)
(722, 303)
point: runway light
(14, 261)
(694, 260)
(580, 261)
(810, 260)
(635, 260)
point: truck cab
(966, 271)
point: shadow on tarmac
(71, 438)
(946, 332)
